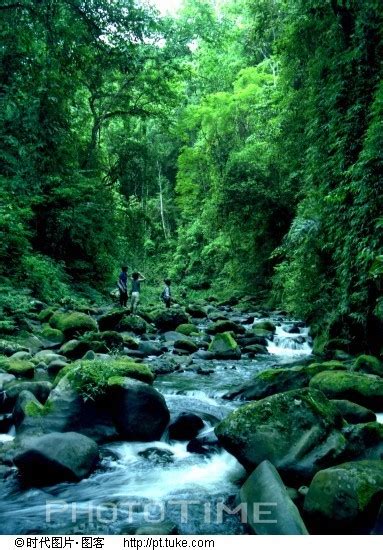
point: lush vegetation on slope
(235, 149)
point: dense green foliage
(237, 149)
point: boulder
(18, 367)
(250, 340)
(185, 345)
(345, 498)
(39, 389)
(364, 441)
(110, 320)
(132, 323)
(46, 314)
(21, 356)
(150, 348)
(205, 443)
(57, 457)
(276, 380)
(74, 349)
(68, 411)
(185, 427)
(265, 325)
(255, 349)
(9, 348)
(170, 319)
(56, 366)
(224, 346)
(225, 326)
(140, 412)
(72, 323)
(298, 431)
(53, 335)
(47, 356)
(217, 316)
(187, 329)
(270, 510)
(369, 365)
(363, 389)
(196, 311)
(5, 377)
(111, 339)
(129, 341)
(21, 406)
(353, 413)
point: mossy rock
(368, 364)
(75, 349)
(46, 314)
(17, 367)
(363, 389)
(298, 431)
(197, 311)
(73, 323)
(187, 329)
(346, 497)
(170, 319)
(364, 441)
(39, 389)
(262, 333)
(34, 408)
(132, 323)
(103, 342)
(223, 346)
(7, 327)
(265, 325)
(225, 326)
(9, 348)
(110, 320)
(53, 335)
(92, 378)
(129, 341)
(272, 381)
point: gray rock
(353, 413)
(57, 457)
(185, 427)
(140, 412)
(265, 492)
(20, 409)
(39, 389)
(69, 412)
(149, 348)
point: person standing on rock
(122, 284)
(166, 293)
(137, 279)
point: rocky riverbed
(171, 420)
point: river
(140, 483)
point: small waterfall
(290, 344)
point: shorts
(135, 298)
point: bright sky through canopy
(167, 6)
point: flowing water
(140, 483)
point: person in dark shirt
(137, 279)
(166, 294)
(122, 284)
